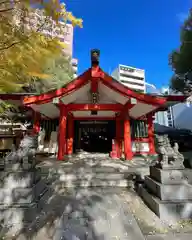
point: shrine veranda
(95, 113)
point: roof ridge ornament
(95, 54)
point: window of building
(132, 83)
(67, 29)
(139, 129)
(170, 123)
(132, 77)
(130, 70)
(127, 69)
(62, 39)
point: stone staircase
(168, 192)
(91, 170)
(69, 176)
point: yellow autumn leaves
(24, 49)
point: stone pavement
(184, 236)
(95, 214)
(91, 214)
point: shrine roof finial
(95, 54)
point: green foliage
(180, 59)
(59, 72)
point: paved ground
(97, 215)
(86, 214)
(184, 236)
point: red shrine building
(96, 113)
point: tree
(180, 60)
(25, 51)
(24, 48)
(59, 72)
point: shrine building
(96, 113)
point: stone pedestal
(22, 190)
(171, 176)
(22, 196)
(168, 192)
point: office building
(161, 118)
(134, 78)
(75, 66)
(165, 117)
(131, 77)
(169, 112)
(182, 116)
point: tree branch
(6, 10)
(46, 20)
(8, 1)
(27, 37)
(9, 46)
(4, 2)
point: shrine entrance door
(94, 136)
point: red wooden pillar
(127, 139)
(36, 123)
(151, 134)
(118, 137)
(70, 130)
(62, 133)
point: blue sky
(132, 32)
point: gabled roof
(70, 87)
(83, 79)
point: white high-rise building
(75, 66)
(165, 118)
(131, 77)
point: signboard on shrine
(55, 100)
(133, 101)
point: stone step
(91, 179)
(59, 185)
(77, 169)
(85, 176)
(171, 176)
(169, 192)
(167, 210)
(23, 179)
(95, 170)
(97, 190)
(89, 176)
(87, 173)
(21, 195)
